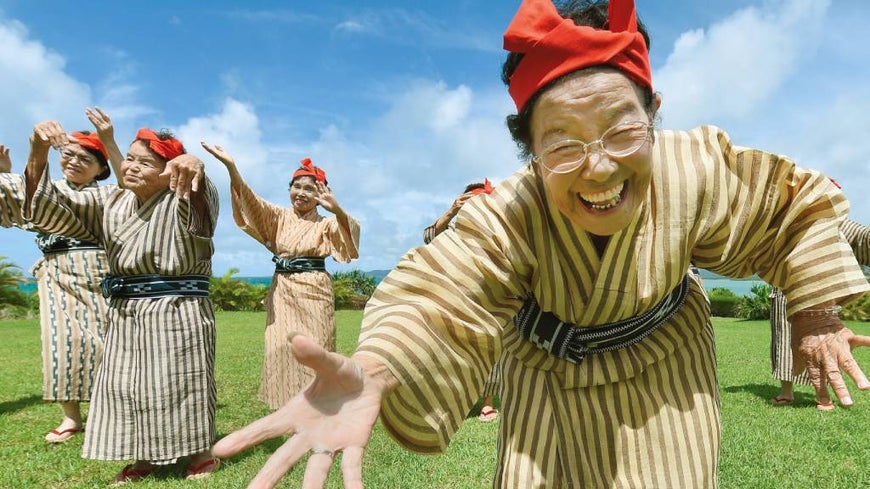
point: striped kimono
(646, 415)
(72, 311)
(154, 395)
(296, 302)
(858, 237)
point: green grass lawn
(763, 446)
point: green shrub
(858, 310)
(723, 302)
(229, 294)
(756, 305)
(13, 301)
(352, 289)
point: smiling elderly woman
(608, 372)
(154, 394)
(300, 298)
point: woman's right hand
(335, 413)
(218, 152)
(5, 160)
(48, 134)
(102, 123)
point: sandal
(825, 406)
(60, 436)
(132, 474)
(203, 470)
(487, 414)
(781, 400)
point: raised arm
(106, 133)
(5, 160)
(440, 224)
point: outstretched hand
(218, 152)
(823, 345)
(335, 413)
(326, 199)
(102, 123)
(48, 134)
(5, 160)
(185, 175)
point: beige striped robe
(154, 395)
(72, 311)
(858, 237)
(643, 416)
(298, 302)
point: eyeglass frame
(600, 141)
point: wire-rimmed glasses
(619, 141)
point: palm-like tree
(10, 278)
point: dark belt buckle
(110, 286)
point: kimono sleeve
(202, 219)
(11, 200)
(344, 242)
(770, 217)
(858, 237)
(436, 321)
(76, 215)
(255, 216)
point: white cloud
(739, 62)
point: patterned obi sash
(53, 243)
(148, 286)
(570, 342)
(299, 264)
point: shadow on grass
(19, 404)
(766, 392)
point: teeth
(604, 200)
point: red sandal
(60, 436)
(131, 474)
(203, 470)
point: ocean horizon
(739, 287)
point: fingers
(859, 340)
(265, 428)
(313, 355)
(351, 467)
(284, 458)
(853, 370)
(317, 470)
(52, 133)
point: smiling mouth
(604, 200)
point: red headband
(486, 189)
(309, 170)
(554, 46)
(90, 141)
(168, 148)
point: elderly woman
(608, 372)
(72, 311)
(154, 394)
(300, 298)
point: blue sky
(401, 101)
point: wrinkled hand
(101, 122)
(824, 347)
(185, 175)
(459, 202)
(48, 134)
(218, 152)
(335, 413)
(327, 199)
(5, 160)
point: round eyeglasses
(619, 141)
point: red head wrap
(168, 148)
(90, 141)
(309, 170)
(486, 189)
(554, 46)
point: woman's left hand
(185, 175)
(823, 345)
(327, 199)
(5, 160)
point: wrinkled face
(78, 165)
(141, 171)
(602, 194)
(303, 194)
